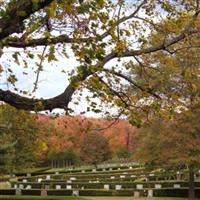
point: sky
(51, 81)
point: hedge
(7, 191)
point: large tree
(95, 32)
(21, 138)
(172, 143)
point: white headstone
(58, 187)
(139, 186)
(150, 193)
(47, 187)
(28, 175)
(15, 186)
(151, 174)
(69, 181)
(119, 168)
(48, 177)
(18, 191)
(68, 187)
(124, 172)
(82, 188)
(21, 186)
(122, 176)
(103, 169)
(106, 187)
(177, 185)
(56, 173)
(112, 177)
(72, 178)
(133, 176)
(94, 170)
(39, 180)
(110, 169)
(130, 167)
(83, 171)
(118, 187)
(24, 181)
(75, 193)
(158, 186)
(28, 187)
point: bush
(33, 192)
(59, 192)
(7, 192)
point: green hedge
(59, 192)
(7, 191)
(33, 192)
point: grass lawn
(40, 198)
(132, 198)
(84, 198)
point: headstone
(112, 177)
(124, 172)
(72, 178)
(139, 186)
(130, 167)
(18, 191)
(122, 176)
(94, 170)
(133, 176)
(119, 168)
(15, 186)
(69, 181)
(48, 177)
(106, 187)
(110, 169)
(28, 187)
(43, 192)
(56, 173)
(83, 171)
(150, 193)
(47, 187)
(178, 175)
(158, 186)
(136, 194)
(39, 180)
(103, 169)
(28, 175)
(75, 193)
(177, 185)
(118, 187)
(151, 174)
(21, 186)
(82, 188)
(24, 181)
(68, 187)
(58, 187)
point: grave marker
(139, 186)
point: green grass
(84, 198)
(131, 198)
(40, 198)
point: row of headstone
(106, 186)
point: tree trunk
(191, 195)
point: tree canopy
(95, 33)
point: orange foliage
(69, 132)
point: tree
(20, 138)
(97, 32)
(174, 142)
(95, 148)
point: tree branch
(16, 13)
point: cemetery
(119, 181)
